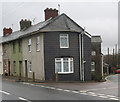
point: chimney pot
(50, 13)
(25, 24)
(7, 31)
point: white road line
(91, 92)
(59, 89)
(114, 98)
(84, 93)
(66, 90)
(110, 96)
(5, 92)
(42, 86)
(52, 88)
(103, 96)
(47, 87)
(22, 99)
(93, 95)
(75, 91)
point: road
(61, 91)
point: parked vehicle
(117, 71)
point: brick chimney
(24, 24)
(7, 31)
(50, 13)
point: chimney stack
(7, 31)
(24, 24)
(50, 13)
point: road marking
(75, 91)
(42, 86)
(91, 93)
(52, 88)
(114, 98)
(59, 89)
(47, 87)
(66, 90)
(5, 92)
(103, 96)
(22, 99)
(84, 93)
(110, 96)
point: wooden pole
(33, 76)
(56, 76)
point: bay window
(64, 65)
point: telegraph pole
(113, 58)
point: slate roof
(96, 39)
(59, 23)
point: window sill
(38, 51)
(65, 72)
(30, 71)
(64, 47)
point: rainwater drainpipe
(81, 46)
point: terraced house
(56, 45)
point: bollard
(56, 76)
(33, 76)
(20, 77)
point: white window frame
(93, 53)
(64, 36)
(62, 65)
(30, 66)
(29, 45)
(38, 43)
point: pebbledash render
(56, 45)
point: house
(1, 60)
(96, 58)
(56, 45)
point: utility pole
(116, 56)
(108, 63)
(108, 56)
(113, 58)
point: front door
(26, 69)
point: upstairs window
(38, 43)
(64, 41)
(93, 53)
(29, 45)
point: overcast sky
(99, 18)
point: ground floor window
(64, 65)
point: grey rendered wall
(52, 50)
(87, 57)
(36, 57)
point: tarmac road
(61, 91)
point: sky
(98, 17)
